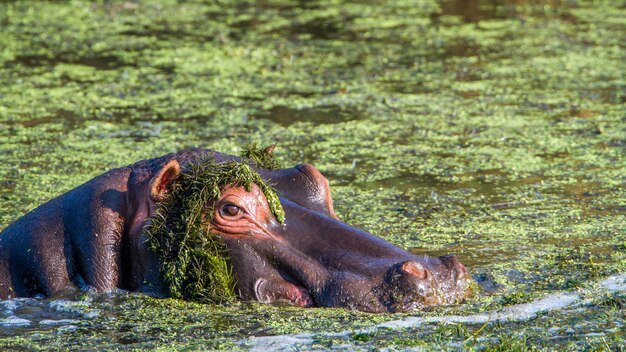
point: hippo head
(312, 259)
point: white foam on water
(74, 308)
(57, 322)
(518, 312)
(67, 328)
(280, 342)
(616, 283)
(514, 313)
(14, 321)
(9, 306)
(93, 313)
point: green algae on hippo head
(194, 260)
(261, 157)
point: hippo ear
(161, 184)
(269, 149)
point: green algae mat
(495, 130)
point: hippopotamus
(93, 237)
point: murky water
(321, 115)
(492, 129)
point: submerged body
(94, 235)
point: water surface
(490, 129)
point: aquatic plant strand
(195, 261)
(261, 157)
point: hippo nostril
(462, 270)
(414, 269)
(450, 261)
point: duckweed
(494, 130)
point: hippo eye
(230, 210)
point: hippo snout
(410, 286)
(427, 281)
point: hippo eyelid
(230, 210)
(232, 201)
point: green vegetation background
(496, 131)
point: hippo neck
(141, 266)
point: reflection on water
(471, 10)
(69, 119)
(491, 185)
(481, 254)
(477, 10)
(319, 115)
(105, 62)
